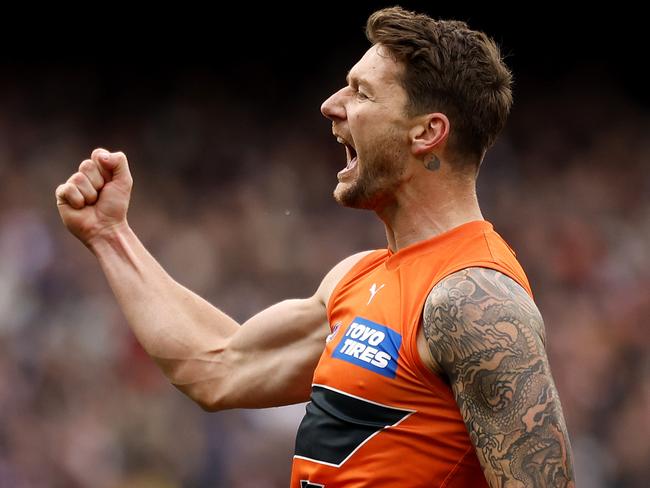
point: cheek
(356, 119)
(366, 126)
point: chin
(353, 195)
(342, 194)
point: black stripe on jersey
(337, 424)
(307, 484)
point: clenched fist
(95, 199)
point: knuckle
(86, 166)
(78, 178)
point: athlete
(424, 362)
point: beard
(379, 174)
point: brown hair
(451, 69)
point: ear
(429, 134)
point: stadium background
(234, 167)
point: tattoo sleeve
(487, 335)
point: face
(368, 117)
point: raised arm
(487, 336)
(268, 361)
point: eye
(360, 95)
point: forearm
(182, 332)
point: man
(424, 362)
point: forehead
(377, 67)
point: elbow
(210, 404)
(205, 378)
(210, 388)
(210, 397)
(215, 397)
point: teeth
(340, 140)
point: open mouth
(351, 156)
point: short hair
(448, 68)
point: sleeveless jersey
(378, 417)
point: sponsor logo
(370, 345)
(335, 330)
(307, 484)
(373, 292)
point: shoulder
(472, 311)
(337, 273)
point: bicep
(486, 334)
(270, 360)
(273, 356)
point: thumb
(114, 166)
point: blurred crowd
(234, 200)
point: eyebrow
(357, 80)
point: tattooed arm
(487, 336)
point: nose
(333, 108)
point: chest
(374, 325)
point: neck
(426, 207)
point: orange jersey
(377, 415)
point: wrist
(108, 237)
